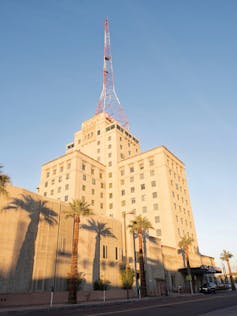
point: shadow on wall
(37, 211)
(101, 231)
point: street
(219, 304)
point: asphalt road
(206, 305)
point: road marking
(153, 306)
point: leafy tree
(77, 208)
(101, 231)
(4, 181)
(127, 276)
(226, 256)
(141, 225)
(184, 244)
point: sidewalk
(14, 309)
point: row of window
(144, 208)
(141, 167)
(60, 179)
(61, 169)
(92, 170)
(105, 252)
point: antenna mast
(108, 101)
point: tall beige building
(104, 166)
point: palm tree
(184, 244)
(141, 225)
(4, 180)
(101, 230)
(77, 209)
(225, 256)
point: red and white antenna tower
(108, 101)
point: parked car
(209, 287)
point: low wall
(43, 298)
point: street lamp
(135, 261)
(125, 241)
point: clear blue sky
(175, 74)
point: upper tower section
(108, 101)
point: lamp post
(125, 241)
(135, 263)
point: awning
(203, 269)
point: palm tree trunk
(231, 276)
(72, 288)
(141, 266)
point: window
(158, 232)
(98, 150)
(122, 182)
(131, 169)
(116, 253)
(153, 183)
(133, 200)
(154, 195)
(84, 177)
(109, 146)
(110, 174)
(123, 203)
(52, 182)
(83, 188)
(100, 175)
(110, 206)
(66, 186)
(152, 172)
(157, 219)
(46, 184)
(109, 155)
(143, 197)
(51, 192)
(61, 169)
(59, 189)
(155, 207)
(67, 176)
(83, 167)
(101, 194)
(45, 193)
(93, 181)
(142, 186)
(66, 198)
(48, 174)
(98, 143)
(123, 192)
(101, 205)
(110, 185)
(144, 209)
(102, 185)
(132, 189)
(151, 162)
(111, 195)
(69, 165)
(141, 176)
(92, 202)
(93, 191)
(105, 252)
(131, 179)
(122, 172)
(110, 163)
(54, 171)
(98, 132)
(109, 138)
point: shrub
(127, 276)
(100, 285)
